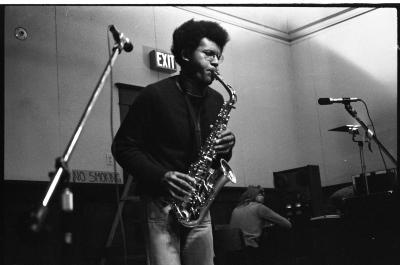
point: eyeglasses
(210, 55)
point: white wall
(60, 63)
(258, 68)
(79, 52)
(356, 58)
(31, 131)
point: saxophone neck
(232, 93)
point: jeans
(170, 243)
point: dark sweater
(158, 133)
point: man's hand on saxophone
(225, 142)
(177, 184)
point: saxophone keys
(198, 198)
(208, 158)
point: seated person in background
(251, 216)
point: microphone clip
(121, 42)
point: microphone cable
(373, 127)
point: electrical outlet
(109, 159)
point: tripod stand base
(118, 218)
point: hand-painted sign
(99, 177)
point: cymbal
(347, 128)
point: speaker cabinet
(378, 181)
(300, 191)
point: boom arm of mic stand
(60, 170)
(371, 134)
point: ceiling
(283, 23)
(285, 19)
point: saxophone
(208, 182)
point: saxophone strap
(195, 117)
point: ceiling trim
(250, 21)
(327, 22)
(237, 21)
(286, 37)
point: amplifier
(300, 190)
(377, 181)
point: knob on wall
(21, 33)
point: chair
(228, 245)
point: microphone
(121, 39)
(328, 101)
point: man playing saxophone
(161, 136)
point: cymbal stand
(371, 135)
(363, 175)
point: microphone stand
(62, 171)
(371, 135)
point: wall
(338, 63)
(31, 132)
(258, 72)
(50, 76)
(75, 50)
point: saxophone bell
(227, 171)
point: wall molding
(327, 22)
(282, 36)
(237, 21)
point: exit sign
(162, 61)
